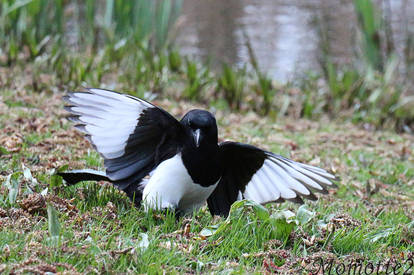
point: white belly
(170, 186)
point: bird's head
(201, 126)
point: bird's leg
(134, 194)
(178, 214)
(171, 211)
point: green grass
(101, 231)
(96, 229)
(130, 47)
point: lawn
(93, 228)
(356, 121)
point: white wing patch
(282, 178)
(109, 118)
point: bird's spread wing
(251, 173)
(132, 135)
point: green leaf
(27, 174)
(321, 224)
(259, 210)
(286, 215)
(209, 230)
(12, 183)
(3, 151)
(53, 221)
(284, 221)
(16, 5)
(44, 192)
(144, 242)
(304, 215)
(381, 235)
(55, 179)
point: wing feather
(127, 131)
(262, 176)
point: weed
(197, 77)
(99, 224)
(263, 85)
(232, 84)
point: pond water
(284, 34)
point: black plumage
(184, 160)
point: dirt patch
(3, 213)
(63, 205)
(33, 203)
(345, 220)
(36, 266)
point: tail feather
(133, 191)
(75, 176)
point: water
(283, 33)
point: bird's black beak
(196, 136)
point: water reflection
(210, 29)
(283, 33)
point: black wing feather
(241, 161)
(130, 153)
(252, 173)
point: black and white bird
(179, 165)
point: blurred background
(351, 59)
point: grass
(129, 46)
(27, 23)
(95, 228)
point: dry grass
(369, 217)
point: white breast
(170, 186)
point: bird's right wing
(132, 135)
(261, 176)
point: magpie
(164, 163)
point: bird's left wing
(261, 176)
(132, 135)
